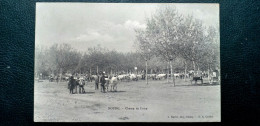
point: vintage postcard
(127, 62)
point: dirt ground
(158, 101)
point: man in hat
(103, 81)
(96, 77)
(71, 84)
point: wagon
(197, 76)
(196, 79)
(214, 78)
(51, 79)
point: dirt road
(133, 102)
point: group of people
(73, 84)
(100, 79)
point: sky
(110, 25)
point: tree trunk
(185, 71)
(60, 74)
(208, 71)
(167, 72)
(97, 69)
(146, 72)
(198, 67)
(194, 65)
(172, 74)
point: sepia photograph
(127, 62)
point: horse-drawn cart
(214, 77)
(197, 76)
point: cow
(139, 76)
(81, 85)
(67, 78)
(107, 83)
(176, 75)
(121, 77)
(113, 83)
(160, 76)
(153, 76)
(124, 77)
(133, 77)
(96, 78)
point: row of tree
(62, 59)
(170, 39)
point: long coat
(72, 84)
(102, 80)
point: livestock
(121, 77)
(153, 76)
(160, 76)
(113, 83)
(107, 83)
(133, 77)
(139, 76)
(67, 78)
(176, 75)
(196, 79)
(96, 78)
(81, 85)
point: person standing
(71, 84)
(103, 82)
(96, 77)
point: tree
(192, 40)
(161, 34)
(144, 49)
(64, 58)
(211, 52)
(41, 62)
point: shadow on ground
(116, 91)
(198, 84)
(86, 93)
